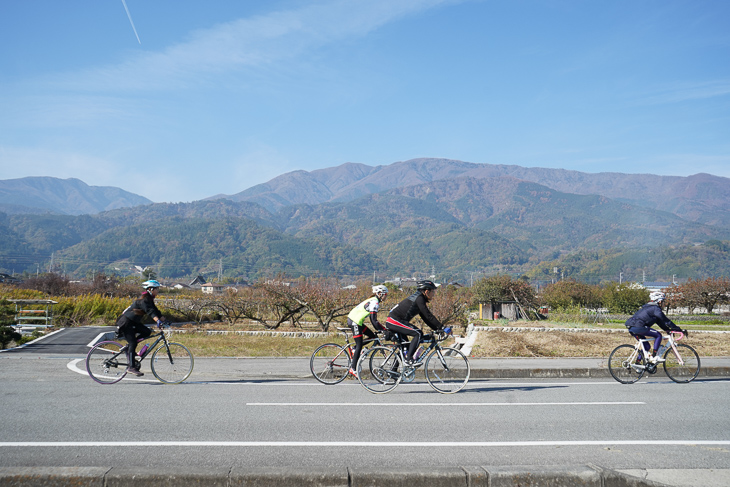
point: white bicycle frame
(671, 343)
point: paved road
(251, 412)
(68, 342)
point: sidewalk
(267, 368)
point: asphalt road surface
(54, 415)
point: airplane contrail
(130, 21)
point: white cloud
(248, 42)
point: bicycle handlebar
(681, 335)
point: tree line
(324, 303)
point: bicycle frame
(161, 337)
(639, 348)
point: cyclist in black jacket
(651, 314)
(130, 323)
(400, 316)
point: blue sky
(219, 96)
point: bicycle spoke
(379, 371)
(106, 363)
(447, 370)
(172, 363)
(626, 364)
(683, 365)
(330, 363)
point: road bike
(382, 368)
(628, 363)
(331, 362)
(170, 362)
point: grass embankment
(490, 343)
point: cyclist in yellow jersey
(356, 321)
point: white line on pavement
(450, 404)
(468, 444)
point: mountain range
(62, 196)
(700, 198)
(418, 216)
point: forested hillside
(181, 247)
(415, 217)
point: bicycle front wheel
(687, 370)
(379, 370)
(626, 365)
(330, 363)
(106, 363)
(172, 363)
(447, 370)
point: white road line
(72, 367)
(302, 444)
(450, 404)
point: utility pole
(620, 277)
(643, 276)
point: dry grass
(491, 343)
(497, 343)
(203, 345)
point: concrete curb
(577, 373)
(472, 476)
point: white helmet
(657, 296)
(380, 290)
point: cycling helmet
(380, 290)
(657, 296)
(426, 285)
(150, 284)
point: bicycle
(628, 363)
(330, 362)
(382, 368)
(171, 362)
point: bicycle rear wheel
(682, 372)
(172, 364)
(330, 362)
(626, 365)
(379, 370)
(447, 370)
(106, 363)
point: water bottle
(144, 349)
(418, 353)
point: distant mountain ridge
(408, 218)
(700, 198)
(37, 195)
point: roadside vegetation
(321, 305)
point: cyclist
(130, 323)
(651, 314)
(416, 304)
(356, 320)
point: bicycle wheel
(682, 372)
(172, 364)
(626, 365)
(447, 370)
(379, 370)
(330, 362)
(105, 363)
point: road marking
(450, 404)
(72, 367)
(466, 444)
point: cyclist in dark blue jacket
(651, 314)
